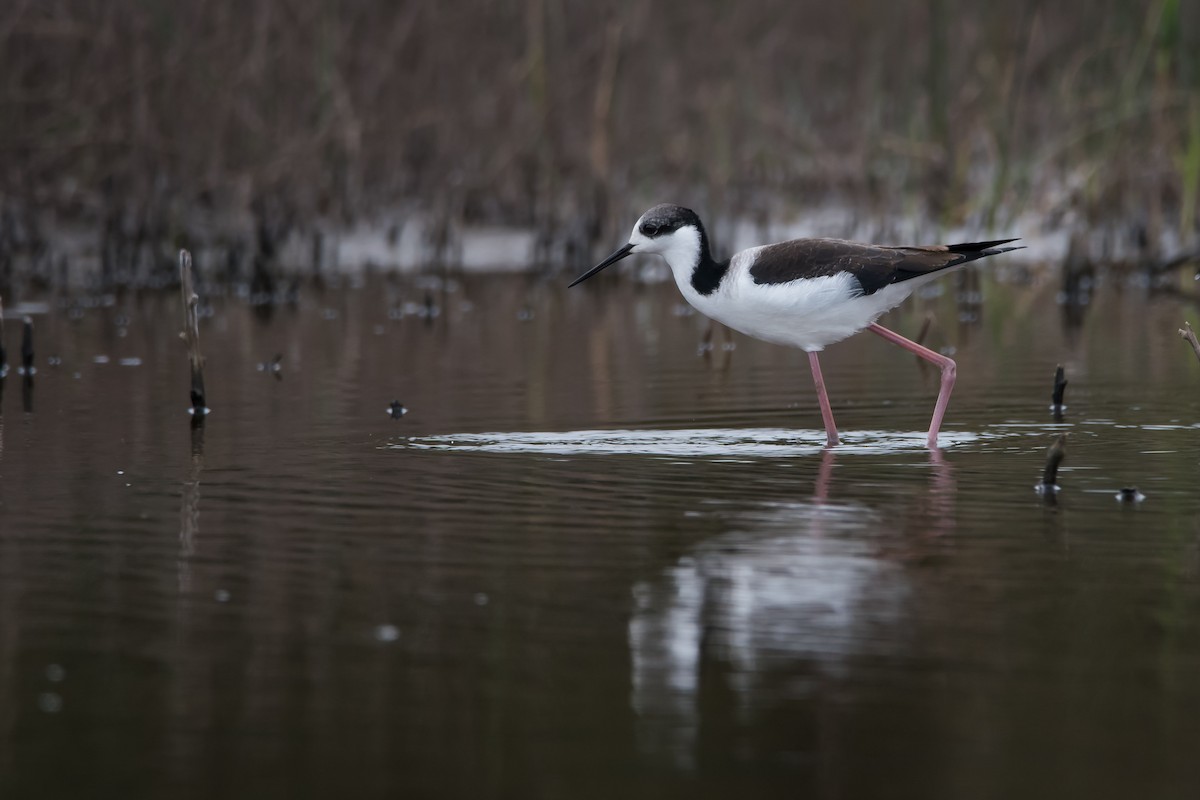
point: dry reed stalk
(191, 332)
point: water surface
(590, 562)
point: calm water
(591, 563)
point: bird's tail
(974, 250)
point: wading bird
(806, 293)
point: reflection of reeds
(538, 113)
(189, 511)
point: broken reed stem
(191, 332)
(1054, 457)
(1190, 335)
(1060, 386)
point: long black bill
(608, 262)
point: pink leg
(831, 437)
(948, 367)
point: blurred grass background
(187, 122)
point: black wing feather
(874, 266)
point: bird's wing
(874, 266)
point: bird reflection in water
(776, 610)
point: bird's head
(671, 231)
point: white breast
(809, 314)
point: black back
(874, 266)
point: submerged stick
(1190, 335)
(191, 332)
(1054, 457)
(1060, 385)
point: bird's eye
(649, 229)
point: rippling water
(590, 562)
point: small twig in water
(191, 333)
(1190, 335)
(1054, 457)
(1060, 385)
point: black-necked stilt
(806, 293)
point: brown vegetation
(233, 121)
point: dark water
(589, 562)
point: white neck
(681, 249)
